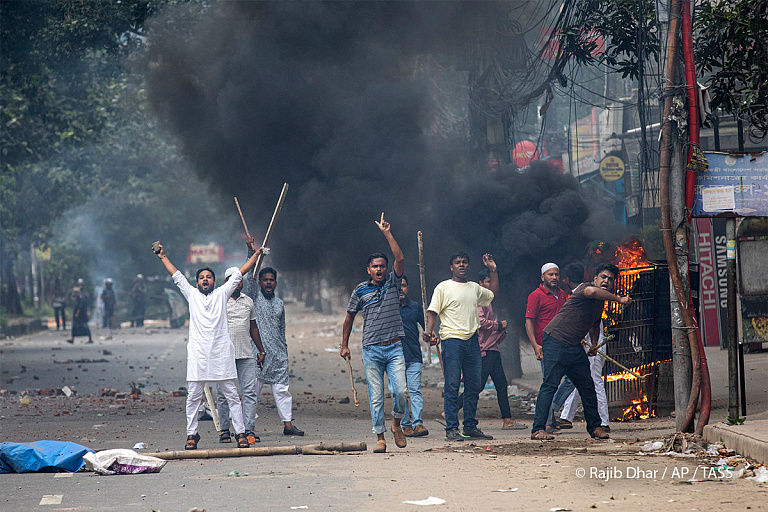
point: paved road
(543, 474)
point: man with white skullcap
(210, 352)
(543, 304)
(244, 333)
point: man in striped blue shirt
(379, 300)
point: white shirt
(210, 352)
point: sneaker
(293, 431)
(397, 432)
(408, 431)
(420, 431)
(252, 437)
(599, 433)
(475, 433)
(454, 435)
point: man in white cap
(210, 352)
(543, 304)
(244, 333)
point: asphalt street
(468, 476)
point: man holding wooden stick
(210, 352)
(379, 300)
(563, 354)
(456, 301)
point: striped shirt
(381, 309)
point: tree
(732, 46)
(63, 69)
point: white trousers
(196, 389)
(572, 402)
(283, 399)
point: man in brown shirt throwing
(563, 354)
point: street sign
(734, 184)
(43, 254)
(611, 168)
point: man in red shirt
(543, 304)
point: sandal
(225, 436)
(242, 441)
(541, 435)
(192, 442)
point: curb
(749, 440)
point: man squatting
(241, 319)
(210, 352)
(456, 302)
(379, 300)
(270, 317)
(562, 352)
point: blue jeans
(461, 356)
(561, 359)
(563, 392)
(413, 378)
(246, 376)
(378, 359)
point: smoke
(335, 99)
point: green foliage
(627, 29)
(77, 134)
(731, 44)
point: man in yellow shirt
(456, 301)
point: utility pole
(733, 350)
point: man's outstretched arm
(248, 265)
(170, 267)
(396, 251)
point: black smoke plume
(335, 99)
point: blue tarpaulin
(45, 456)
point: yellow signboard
(43, 254)
(611, 168)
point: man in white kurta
(210, 351)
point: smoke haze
(336, 99)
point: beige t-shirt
(456, 304)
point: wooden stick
(242, 218)
(279, 207)
(424, 305)
(607, 358)
(352, 380)
(211, 405)
(221, 453)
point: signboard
(611, 168)
(43, 254)
(211, 253)
(733, 184)
(713, 281)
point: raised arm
(491, 265)
(396, 252)
(248, 265)
(170, 267)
